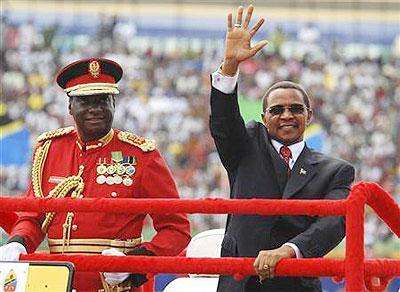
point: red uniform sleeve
(173, 230)
(28, 225)
(7, 220)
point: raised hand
(237, 42)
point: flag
(315, 136)
(14, 142)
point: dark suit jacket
(256, 170)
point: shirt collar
(103, 141)
(294, 148)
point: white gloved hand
(114, 278)
(11, 251)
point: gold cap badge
(94, 69)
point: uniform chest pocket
(115, 192)
(118, 191)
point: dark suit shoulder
(252, 124)
(254, 128)
(329, 160)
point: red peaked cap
(90, 76)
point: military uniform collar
(103, 141)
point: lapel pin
(303, 171)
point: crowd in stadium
(165, 96)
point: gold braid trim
(37, 168)
(145, 145)
(92, 88)
(40, 157)
(72, 183)
(55, 133)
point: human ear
(70, 104)
(264, 119)
(309, 116)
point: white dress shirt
(294, 148)
(225, 84)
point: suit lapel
(301, 174)
(279, 165)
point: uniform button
(74, 227)
(99, 144)
(114, 194)
(80, 155)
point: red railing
(358, 271)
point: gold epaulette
(55, 133)
(145, 145)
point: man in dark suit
(270, 160)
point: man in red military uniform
(96, 161)
(7, 220)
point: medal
(101, 169)
(127, 181)
(111, 169)
(120, 169)
(101, 179)
(117, 179)
(110, 180)
(130, 170)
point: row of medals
(118, 173)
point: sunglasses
(280, 109)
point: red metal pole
(149, 286)
(354, 261)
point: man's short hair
(286, 84)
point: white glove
(114, 278)
(11, 251)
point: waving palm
(237, 42)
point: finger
(116, 277)
(255, 28)
(107, 252)
(261, 266)
(266, 268)
(248, 16)
(112, 252)
(229, 21)
(271, 270)
(111, 281)
(262, 279)
(266, 271)
(239, 15)
(258, 47)
(256, 263)
(262, 274)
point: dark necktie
(286, 154)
